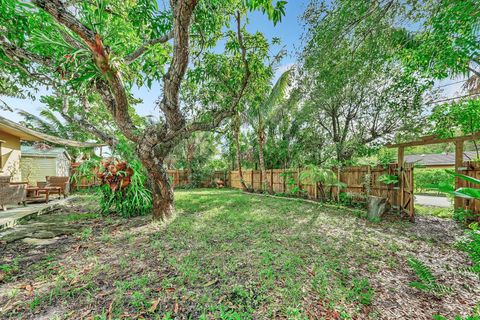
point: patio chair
(59, 182)
(11, 193)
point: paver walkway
(433, 201)
(11, 217)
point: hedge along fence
(360, 181)
(180, 178)
(426, 177)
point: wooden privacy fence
(360, 181)
(472, 169)
(180, 178)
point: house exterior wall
(35, 169)
(63, 166)
(10, 154)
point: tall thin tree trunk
(236, 133)
(261, 142)
(476, 149)
(190, 154)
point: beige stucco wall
(10, 154)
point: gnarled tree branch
(12, 50)
(112, 89)
(220, 115)
(170, 104)
(141, 50)
(60, 13)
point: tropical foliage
(123, 183)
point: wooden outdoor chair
(59, 182)
(11, 193)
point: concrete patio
(10, 217)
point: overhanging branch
(141, 50)
(59, 12)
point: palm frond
(53, 119)
(36, 122)
(278, 91)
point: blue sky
(289, 30)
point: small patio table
(49, 190)
(32, 190)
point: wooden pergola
(433, 139)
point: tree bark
(236, 134)
(162, 191)
(156, 141)
(261, 160)
(162, 195)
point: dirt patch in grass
(234, 256)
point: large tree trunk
(162, 196)
(162, 191)
(261, 142)
(236, 134)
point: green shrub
(464, 215)
(388, 179)
(134, 200)
(425, 178)
(471, 245)
(434, 211)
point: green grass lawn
(230, 255)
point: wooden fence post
(369, 187)
(251, 179)
(298, 178)
(261, 181)
(339, 180)
(271, 180)
(458, 164)
(401, 185)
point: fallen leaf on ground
(210, 283)
(109, 312)
(29, 288)
(154, 306)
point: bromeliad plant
(123, 188)
(125, 191)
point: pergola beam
(433, 139)
(458, 163)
